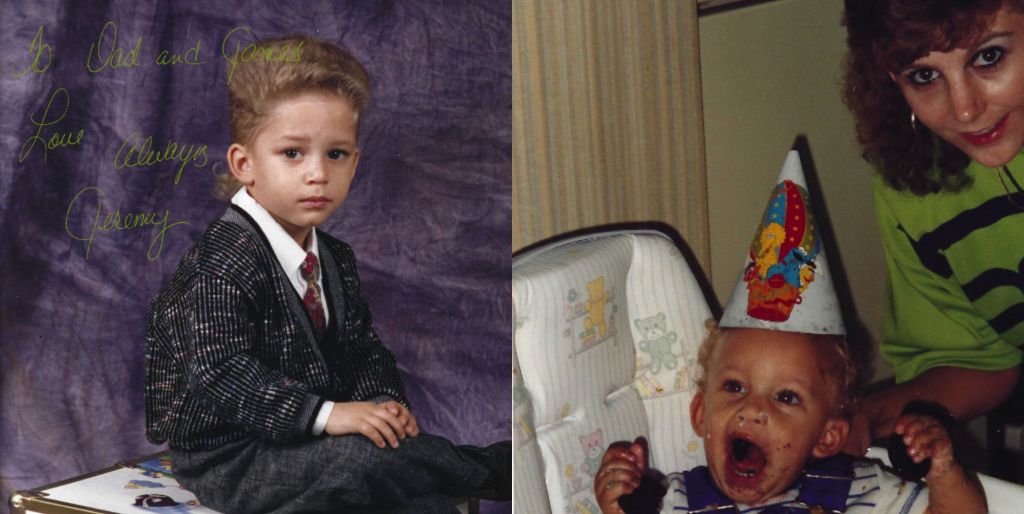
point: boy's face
(767, 408)
(302, 161)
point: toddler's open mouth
(746, 461)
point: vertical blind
(607, 123)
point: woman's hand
(878, 412)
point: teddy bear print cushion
(606, 333)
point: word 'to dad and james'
(106, 54)
(136, 150)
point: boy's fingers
(372, 434)
(411, 426)
(610, 487)
(393, 422)
(385, 430)
(617, 452)
(639, 453)
(920, 426)
(928, 443)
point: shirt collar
(289, 254)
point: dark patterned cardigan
(230, 350)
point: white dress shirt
(291, 256)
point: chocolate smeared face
(766, 410)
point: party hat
(786, 283)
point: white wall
(772, 72)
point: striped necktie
(310, 270)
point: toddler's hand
(926, 438)
(383, 423)
(622, 466)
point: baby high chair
(607, 328)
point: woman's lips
(988, 136)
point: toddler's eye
(336, 154)
(291, 153)
(921, 76)
(733, 386)
(988, 57)
(787, 397)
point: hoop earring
(913, 121)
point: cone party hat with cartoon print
(786, 283)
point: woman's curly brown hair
(886, 36)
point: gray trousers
(330, 474)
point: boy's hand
(383, 423)
(622, 466)
(926, 438)
(950, 488)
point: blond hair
(843, 369)
(268, 77)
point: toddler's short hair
(265, 78)
(843, 370)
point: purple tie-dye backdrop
(429, 215)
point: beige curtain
(606, 118)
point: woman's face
(974, 97)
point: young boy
(264, 372)
(776, 397)
(774, 410)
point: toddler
(774, 410)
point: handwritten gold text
(136, 152)
(115, 57)
(38, 46)
(114, 221)
(253, 51)
(57, 139)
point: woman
(937, 88)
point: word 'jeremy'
(114, 221)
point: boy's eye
(291, 153)
(336, 154)
(733, 386)
(987, 57)
(787, 397)
(921, 76)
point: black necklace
(1009, 195)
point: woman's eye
(988, 57)
(291, 153)
(336, 154)
(733, 386)
(787, 397)
(921, 76)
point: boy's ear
(697, 413)
(832, 438)
(240, 164)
